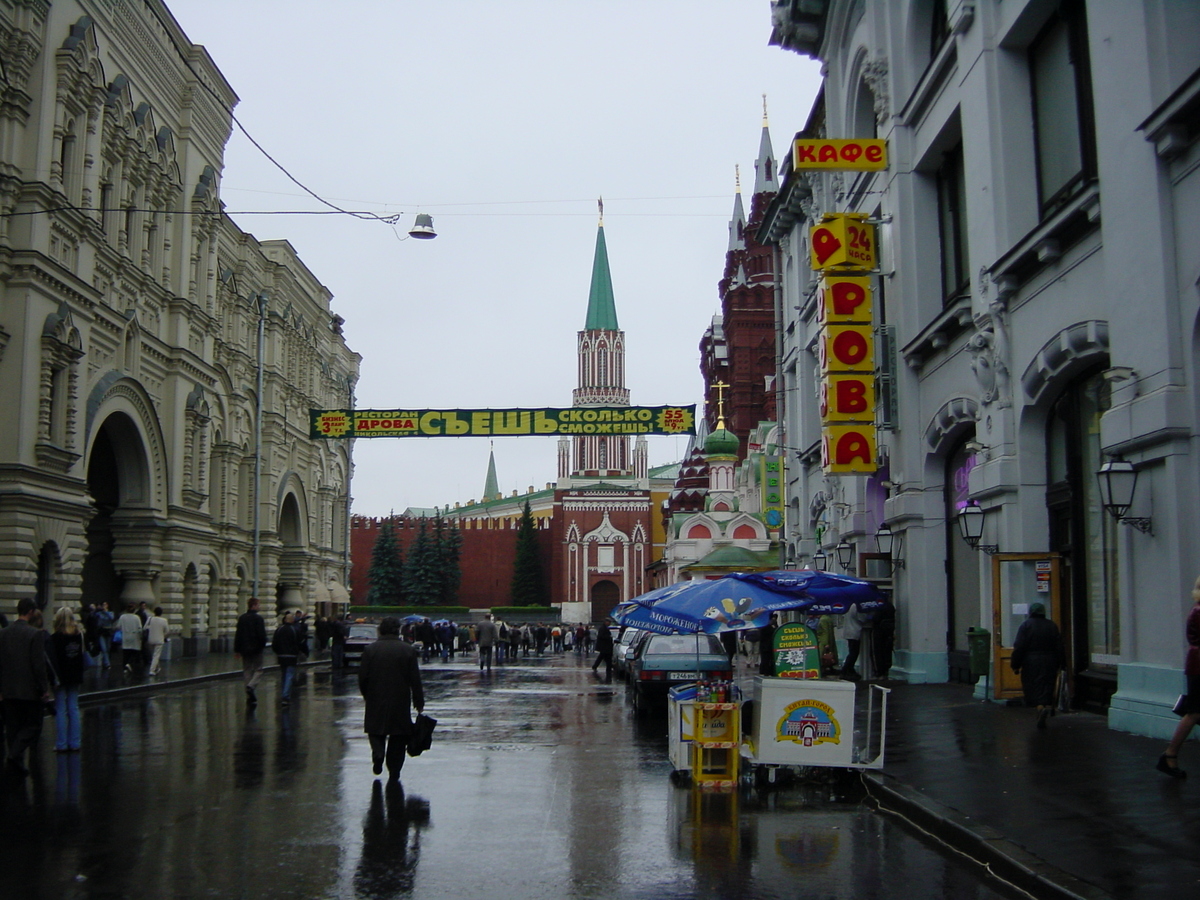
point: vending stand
(797, 718)
(813, 722)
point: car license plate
(681, 676)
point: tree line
(430, 573)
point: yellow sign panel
(846, 348)
(854, 155)
(845, 298)
(843, 241)
(361, 423)
(848, 449)
(847, 398)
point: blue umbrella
(410, 620)
(744, 600)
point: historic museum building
(157, 363)
(1034, 307)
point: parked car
(359, 636)
(658, 661)
(621, 648)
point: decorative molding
(875, 74)
(949, 421)
(1074, 346)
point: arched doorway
(48, 567)
(116, 479)
(963, 562)
(292, 563)
(1086, 538)
(605, 596)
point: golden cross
(720, 388)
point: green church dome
(721, 442)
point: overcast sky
(504, 120)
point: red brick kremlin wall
(486, 561)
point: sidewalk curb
(991, 849)
(151, 687)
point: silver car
(621, 647)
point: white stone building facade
(1037, 312)
(139, 329)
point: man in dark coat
(1037, 656)
(249, 642)
(604, 652)
(766, 647)
(286, 644)
(389, 679)
(24, 683)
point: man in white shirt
(157, 629)
(130, 626)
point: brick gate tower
(602, 500)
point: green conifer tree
(386, 573)
(421, 580)
(528, 582)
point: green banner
(614, 420)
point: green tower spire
(602, 309)
(491, 487)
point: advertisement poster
(796, 653)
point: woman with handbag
(1189, 706)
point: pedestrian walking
(883, 636)
(389, 679)
(24, 685)
(1190, 705)
(130, 627)
(852, 629)
(766, 647)
(157, 631)
(486, 634)
(729, 641)
(604, 652)
(105, 624)
(249, 642)
(143, 613)
(1037, 656)
(286, 644)
(338, 629)
(68, 644)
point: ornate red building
(739, 348)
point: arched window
(699, 533)
(744, 532)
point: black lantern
(1118, 482)
(845, 554)
(970, 526)
(889, 544)
(820, 560)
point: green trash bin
(979, 643)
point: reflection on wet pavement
(541, 783)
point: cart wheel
(680, 778)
